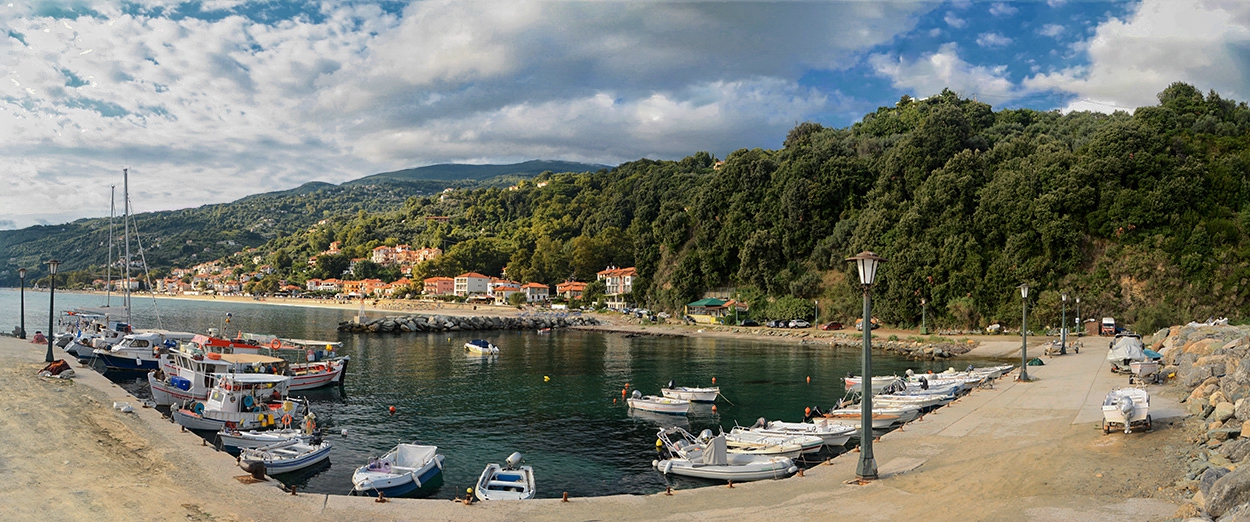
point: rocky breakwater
(1212, 365)
(914, 348)
(451, 323)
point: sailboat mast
(108, 272)
(126, 231)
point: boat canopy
(1128, 347)
(716, 452)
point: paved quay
(1017, 451)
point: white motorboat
(232, 439)
(924, 402)
(711, 460)
(481, 347)
(882, 418)
(512, 481)
(655, 404)
(785, 445)
(832, 435)
(408, 470)
(287, 456)
(140, 350)
(1127, 348)
(248, 400)
(1127, 408)
(673, 391)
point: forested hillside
(1143, 216)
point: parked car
(777, 324)
(748, 322)
(831, 325)
(799, 323)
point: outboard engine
(316, 438)
(970, 367)
(637, 394)
(924, 383)
(514, 460)
(910, 373)
(672, 384)
(705, 435)
(760, 423)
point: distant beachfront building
(619, 282)
(470, 283)
(536, 292)
(440, 286)
(571, 289)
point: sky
(209, 101)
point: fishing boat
(711, 459)
(673, 391)
(410, 470)
(480, 347)
(287, 456)
(248, 400)
(881, 419)
(831, 435)
(140, 351)
(83, 330)
(658, 404)
(1127, 408)
(923, 402)
(853, 383)
(311, 364)
(512, 481)
(187, 375)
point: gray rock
(1209, 477)
(1195, 375)
(1236, 450)
(1229, 491)
(1224, 411)
(1241, 513)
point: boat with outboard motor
(247, 400)
(1127, 408)
(831, 435)
(745, 440)
(480, 347)
(231, 439)
(83, 330)
(408, 470)
(512, 481)
(690, 457)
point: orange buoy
(613, 400)
(713, 408)
(392, 410)
(713, 380)
(809, 379)
(807, 412)
(622, 393)
(626, 386)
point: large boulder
(1228, 491)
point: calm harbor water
(574, 428)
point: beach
(1017, 451)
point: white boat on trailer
(287, 456)
(1127, 408)
(711, 460)
(638, 401)
(512, 481)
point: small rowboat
(512, 481)
(673, 391)
(410, 470)
(658, 404)
(287, 456)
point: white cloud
(992, 40)
(212, 110)
(954, 21)
(1051, 30)
(1202, 42)
(1056, 3)
(943, 69)
(1002, 9)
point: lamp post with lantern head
(867, 263)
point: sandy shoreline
(1015, 452)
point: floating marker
(392, 410)
(546, 378)
(807, 412)
(713, 380)
(626, 386)
(713, 408)
(809, 379)
(622, 393)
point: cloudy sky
(212, 100)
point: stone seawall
(450, 323)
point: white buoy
(344, 432)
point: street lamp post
(52, 264)
(867, 263)
(21, 330)
(1024, 332)
(1063, 322)
(924, 325)
(1079, 327)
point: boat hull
(772, 468)
(233, 441)
(121, 363)
(420, 483)
(691, 394)
(668, 406)
(277, 464)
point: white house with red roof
(470, 283)
(619, 282)
(536, 292)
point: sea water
(555, 397)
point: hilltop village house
(620, 283)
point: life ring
(286, 420)
(213, 355)
(275, 344)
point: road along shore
(1018, 451)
